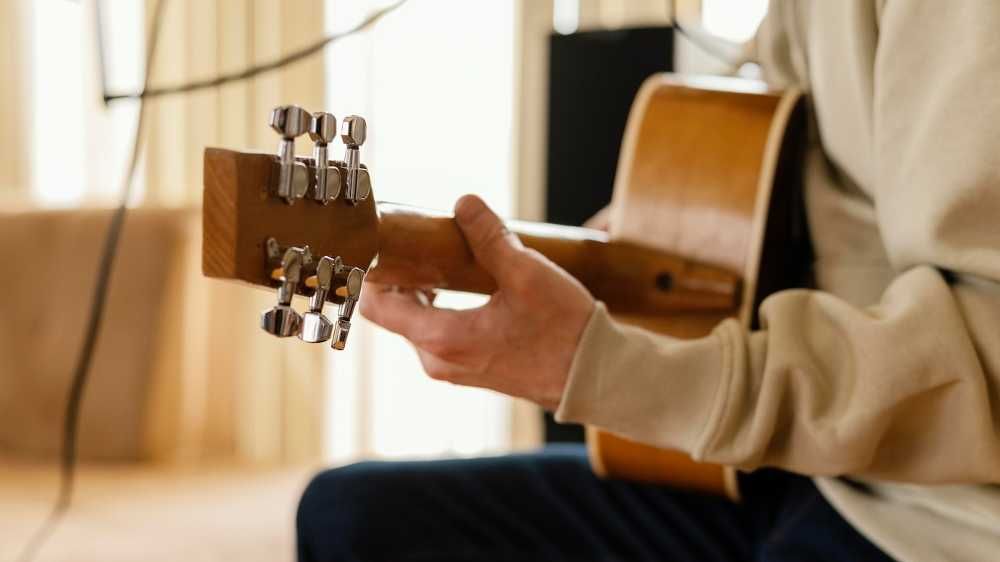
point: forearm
(900, 391)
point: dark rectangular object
(593, 77)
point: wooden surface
(211, 508)
(695, 178)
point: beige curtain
(222, 389)
(15, 135)
(617, 13)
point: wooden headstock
(241, 212)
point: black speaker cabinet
(593, 77)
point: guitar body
(705, 222)
(709, 170)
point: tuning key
(322, 130)
(353, 132)
(290, 121)
(316, 327)
(354, 280)
(282, 320)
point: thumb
(493, 246)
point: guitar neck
(418, 247)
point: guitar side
(709, 170)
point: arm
(908, 389)
(520, 343)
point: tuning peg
(290, 121)
(282, 320)
(316, 327)
(322, 130)
(354, 280)
(353, 132)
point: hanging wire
(81, 371)
(252, 71)
(699, 41)
(71, 420)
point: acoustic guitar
(705, 222)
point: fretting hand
(520, 343)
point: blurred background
(199, 431)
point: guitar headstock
(304, 226)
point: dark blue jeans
(549, 506)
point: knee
(333, 510)
(340, 494)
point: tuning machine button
(282, 320)
(353, 280)
(353, 132)
(290, 121)
(322, 130)
(316, 327)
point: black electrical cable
(81, 370)
(102, 63)
(706, 47)
(71, 421)
(252, 71)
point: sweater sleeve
(907, 389)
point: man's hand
(520, 343)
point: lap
(549, 506)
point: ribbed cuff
(649, 388)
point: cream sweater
(889, 374)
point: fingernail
(467, 207)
